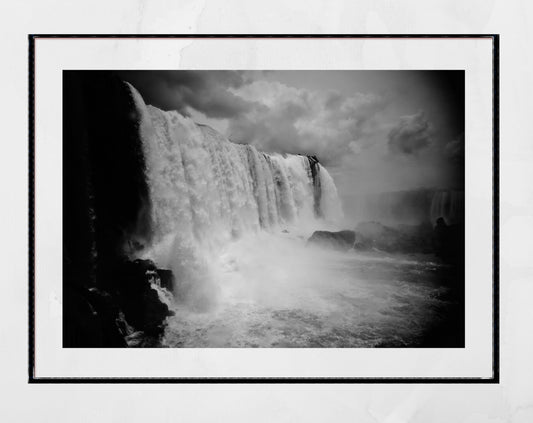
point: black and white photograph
(263, 208)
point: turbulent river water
(275, 292)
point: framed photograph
(263, 209)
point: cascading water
(206, 191)
(448, 204)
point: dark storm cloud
(291, 120)
(411, 135)
(207, 92)
(270, 115)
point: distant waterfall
(206, 191)
(448, 204)
(414, 206)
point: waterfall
(206, 191)
(414, 206)
(448, 204)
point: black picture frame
(32, 379)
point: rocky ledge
(342, 240)
(129, 313)
(445, 241)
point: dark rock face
(105, 195)
(91, 319)
(106, 211)
(342, 240)
(96, 318)
(138, 300)
(448, 241)
(166, 278)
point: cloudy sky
(374, 130)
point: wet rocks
(166, 279)
(448, 241)
(138, 300)
(91, 319)
(342, 240)
(94, 317)
(106, 215)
